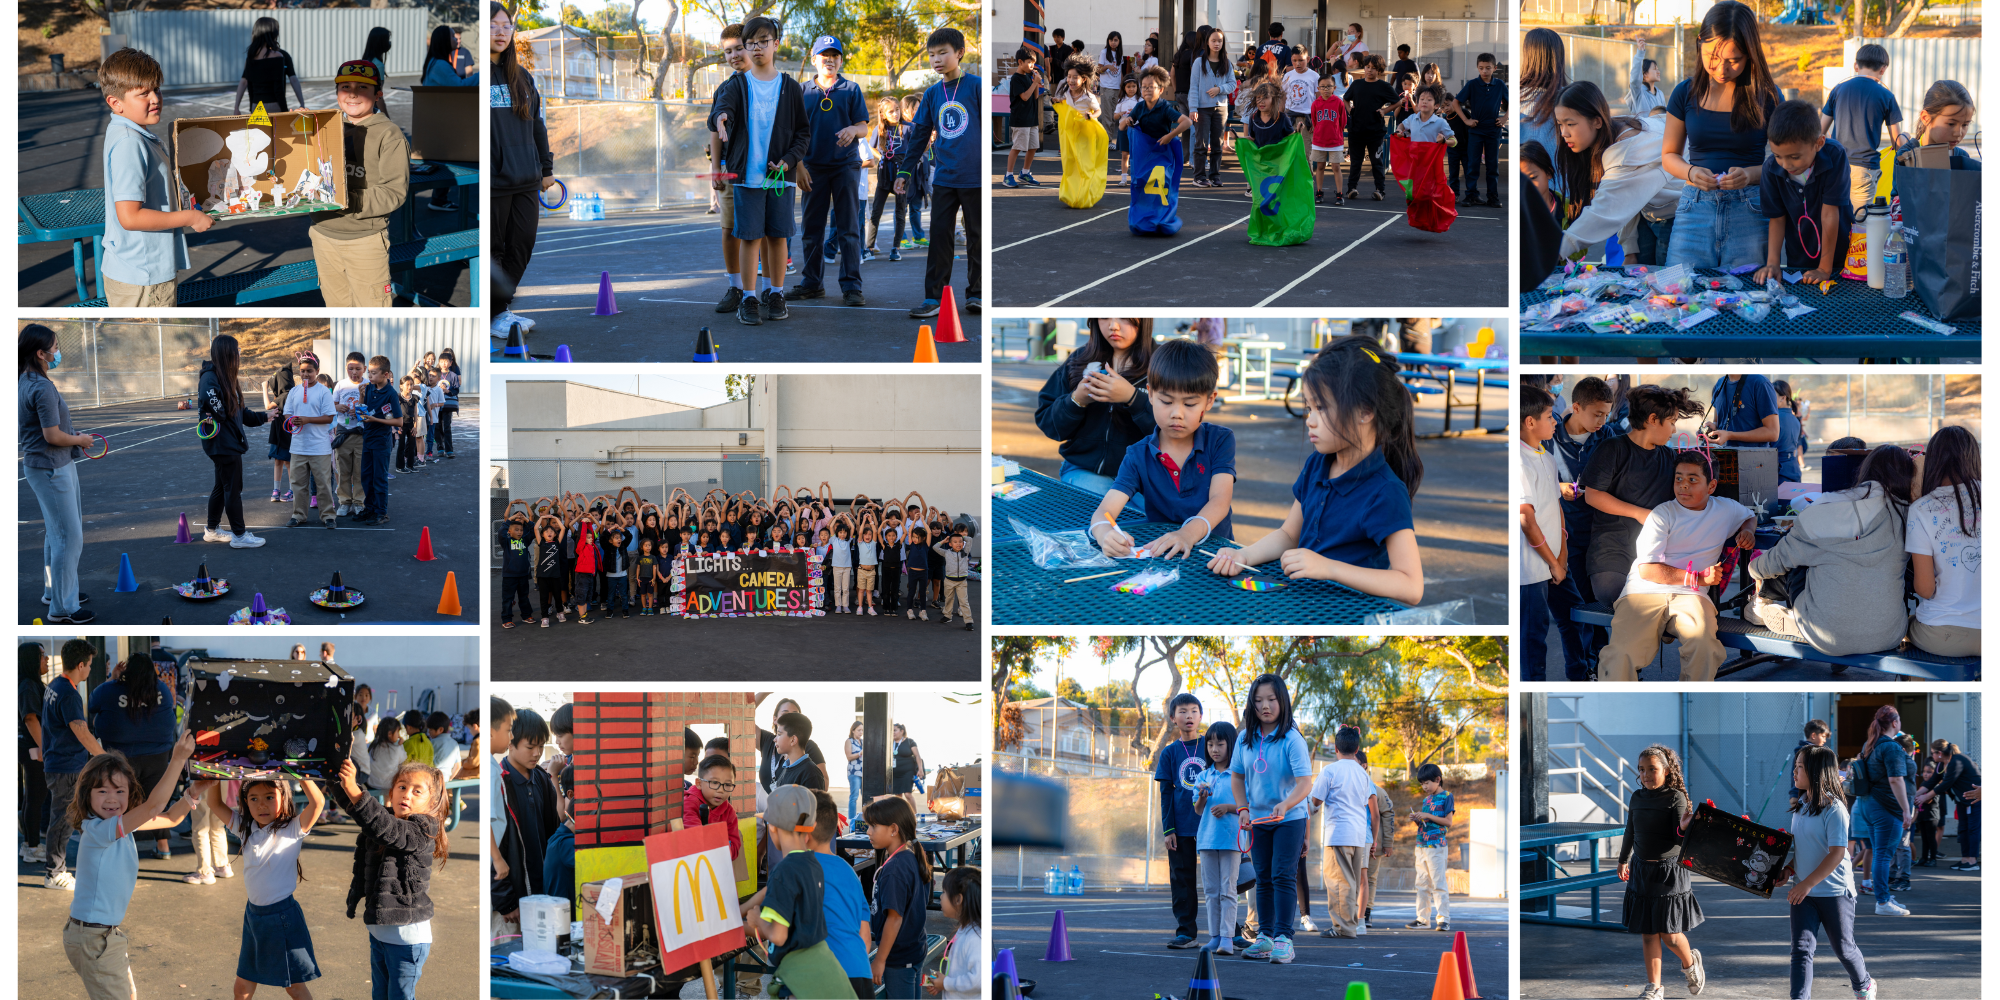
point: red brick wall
(628, 758)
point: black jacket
(392, 862)
(524, 854)
(520, 148)
(1094, 437)
(229, 438)
(789, 131)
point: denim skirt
(277, 949)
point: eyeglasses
(761, 43)
(721, 786)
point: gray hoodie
(1852, 601)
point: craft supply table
(1852, 321)
(945, 851)
(1239, 355)
(1444, 369)
(1052, 507)
(1541, 839)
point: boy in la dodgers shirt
(143, 244)
(946, 111)
(1805, 194)
(1185, 469)
(1544, 544)
(1679, 554)
(1178, 764)
(792, 913)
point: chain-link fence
(1455, 45)
(107, 362)
(1878, 409)
(1607, 62)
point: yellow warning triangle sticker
(260, 116)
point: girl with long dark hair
(1791, 434)
(1836, 579)
(1544, 74)
(441, 69)
(220, 407)
(1659, 892)
(48, 463)
(276, 388)
(133, 713)
(1609, 169)
(451, 382)
(376, 47)
(1943, 543)
(1884, 803)
(1956, 778)
(1718, 117)
(1270, 774)
(1822, 898)
(1111, 70)
(1096, 403)
(266, 70)
(1367, 133)
(1211, 81)
(523, 165)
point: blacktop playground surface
(671, 648)
(667, 275)
(1117, 946)
(1460, 511)
(1362, 255)
(1745, 945)
(183, 939)
(134, 496)
(61, 143)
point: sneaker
(774, 305)
(925, 309)
(730, 300)
(1281, 953)
(245, 540)
(1220, 947)
(373, 521)
(295, 521)
(1377, 196)
(832, 253)
(449, 206)
(562, 616)
(1181, 941)
(276, 497)
(77, 617)
(1445, 925)
(1891, 908)
(1239, 943)
(871, 611)
(581, 620)
(867, 255)
(805, 292)
(216, 535)
(81, 598)
(1697, 977)
(393, 476)
(1361, 929)
(1319, 197)
(791, 266)
(1653, 991)
(34, 855)
(1868, 884)
(1262, 949)
(895, 254)
(969, 627)
(287, 497)
(924, 616)
(507, 624)
(1866, 992)
(1415, 925)
(1306, 924)
(225, 872)
(853, 298)
(1900, 885)
(1009, 181)
(973, 305)
(60, 880)
(911, 614)
(747, 311)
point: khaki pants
(1374, 879)
(320, 468)
(347, 466)
(211, 841)
(955, 591)
(1636, 622)
(353, 272)
(1343, 869)
(864, 581)
(98, 956)
(841, 575)
(1433, 892)
(122, 295)
(1861, 186)
(1945, 640)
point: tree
(1014, 659)
(738, 386)
(1069, 690)
(1148, 651)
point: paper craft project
(1012, 490)
(1244, 583)
(1734, 851)
(270, 717)
(255, 166)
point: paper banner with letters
(780, 582)
(694, 895)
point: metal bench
(256, 285)
(1762, 645)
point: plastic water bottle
(1052, 881)
(596, 207)
(1896, 265)
(1075, 881)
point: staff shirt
(62, 752)
(1350, 517)
(1175, 493)
(1742, 404)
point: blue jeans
(1579, 641)
(1719, 229)
(1654, 238)
(1091, 482)
(375, 478)
(1274, 853)
(1535, 630)
(395, 968)
(1885, 834)
(854, 800)
(900, 984)
(62, 533)
(1834, 914)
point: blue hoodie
(947, 111)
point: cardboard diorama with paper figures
(269, 719)
(1735, 851)
(261, 165)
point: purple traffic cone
(607, 304)
(181, 533)
(127, 583)
(258, 609)
(1058, 940)
(562, 354)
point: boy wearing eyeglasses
(717, 781)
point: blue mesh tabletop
(1852, 320)
(1052, 507)
(63, 215)
(1024, 594)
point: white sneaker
(871, 610)
(245, 540)
(1306, 924)
(216, 535)
(60, 880)
(1361, 929)
(1891, 909)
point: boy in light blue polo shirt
(1185, 470)
(143, 245)
(1427, 125)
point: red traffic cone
(1447, 987)
(606, 304)
(1205, 985)
(424, 553)
(448, 603)
(948, 331)
(1058, 940)
(181, 533)
(1463, 954)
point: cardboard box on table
(444, 123)
(956, 793)
(253, 718)
(627, 943)
(197, 143)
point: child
(1367, 99)
(549, 572)
(889, 131)
(1268, 124)
(143, 246)
(1715, 140)
(891, 568)
(920, 187)
(529, 803)
(793, 765)
(843, 567)
(1215, 840)
(107, 865)
(385, 752)
(959, 173)
(647, 577)
(394, 854)
(277, 947)
(381, 414)
(1660, 905)
(445, 752)
(1271, 776)
(516, 563)
(957, 568)
(1805, 193)
(407, 434)
(617, 563)
(1629, 476)
(588, 557)
(1856, 110)
(1454, 158)
(1175, 769)
(792, 914)
(1482, 102)
(416, 744)
(917, 567)
(1943, 121)
(1433, 818)
(1156, 117)
(222, 406)
(1185, 470)
(559, 854)
(351, 247)
(1350, 520)
(278, 438)
(1540, 171)
(836, 117)
(1577, 435)
(1544, 544)
(1347, 794)
(965, 956)
(1128, 98)
(716, 781)
(1823, 896)
(1300, 84)
(847, 930)
(1679, 553)
(902, 895)
(866, 564)
(349, 481)
(1024, 122)
(1329, 140)
(1942, 540)
(1426, 125)
(762, 202)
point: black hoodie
(229, 438)
(521, 153)
(1094, 437)
(516, 558)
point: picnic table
(1250, 359)
(1539, 841)
(946, 850)
(1026, 594)
(1852, 320)
(1066, 506)
(1444, 369)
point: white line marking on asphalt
(1219, 229)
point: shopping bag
(1156, 185)
(1085, 146)
(1941, 227)
(1419, 167)
(1281, 187)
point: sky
(1083, 665)
(696, 388)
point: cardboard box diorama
(621, 942)
(1734, 851)
(956, 793)
(270, 718)
(261, 165)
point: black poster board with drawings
(1734, 851)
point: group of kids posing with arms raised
(1752, 179)
(620, 552)
(1611, 513)
(1130, 414)
(825, 937)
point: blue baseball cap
(827, 43)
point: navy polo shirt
(1826, 184)
(1350, 517)
(1484, 101)
(829, 111)
(1142, 473)
(384, 403)
(1743, 404)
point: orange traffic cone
(948, 331)
(1447, 981)
(424, 553)
(448, 605)
(1463, 953)
(926, 348)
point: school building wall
(405, 341)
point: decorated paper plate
(219, 588)
(276, 616)
(354, 599)
(1246, 583)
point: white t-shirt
(1934, 531)
(270, 859)
(1539, 489)
(445, 755)
(313, 400)
(1113, 78)
(1301, 86)
(1084, 101)
(349, 393)
(1678, 536)
(1344, 789)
